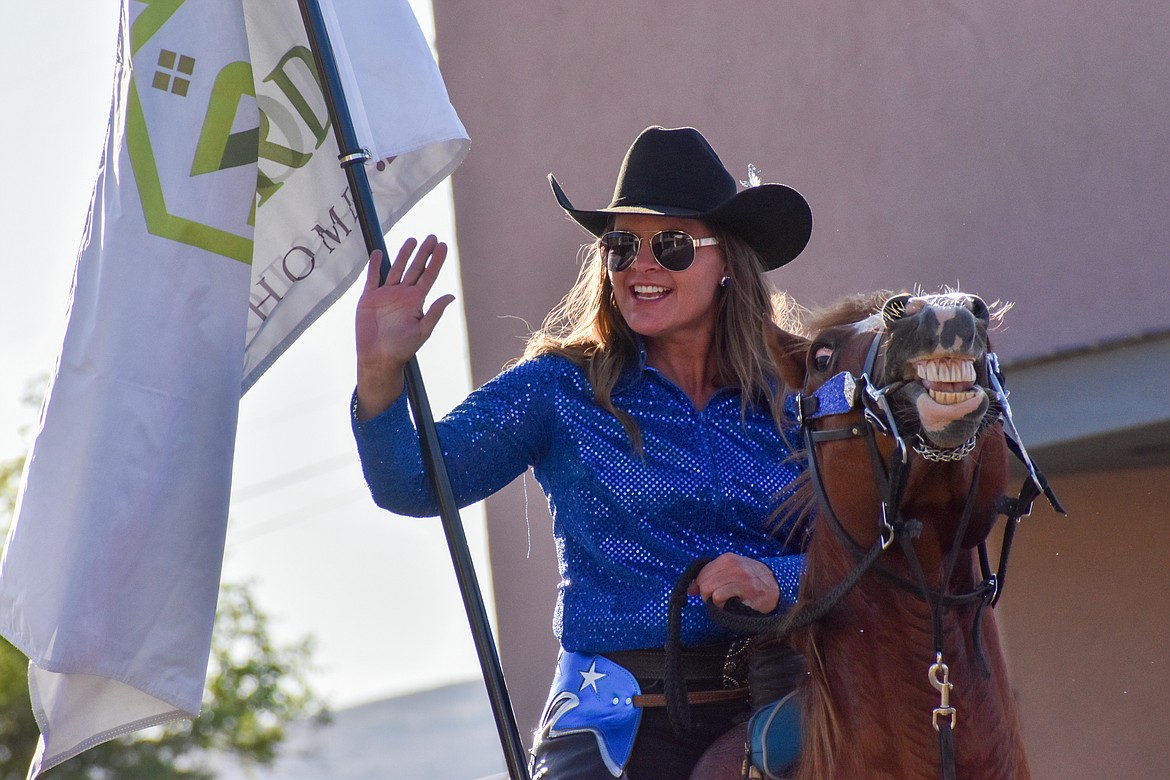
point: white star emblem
(591, 677)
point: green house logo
(219, 147)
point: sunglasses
(673, 249)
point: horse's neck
(876, 649)
(877, 613)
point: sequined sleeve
(625, 523)
(788, 570)
(487, 441)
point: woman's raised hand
(392, 323)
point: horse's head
(936, 368)
(915, 369)
(928, 353)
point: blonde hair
(587, 328)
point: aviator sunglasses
(673, 249)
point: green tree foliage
(18, 728)
(10, 471)
(254, 687)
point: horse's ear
(789, 352)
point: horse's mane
(820, 719)
(794, 516)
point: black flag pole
(352, 159)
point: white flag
(221, 227)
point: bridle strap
(842, 394)
(737, 618)
(1036, 484)
(678, 709)
(871, 355)
(891, 477)
(946, 749)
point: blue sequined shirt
(625, 526)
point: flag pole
(352, 158)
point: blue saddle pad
(774, 736)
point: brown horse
(904, 419)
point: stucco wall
(1015, 148)
(1086, 622)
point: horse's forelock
(853, 308)
(865, 309)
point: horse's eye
(822, 358)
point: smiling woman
(674, 310)
(652, 416)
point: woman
(651, 416)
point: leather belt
(701, 667)
(698, 663)
(693, 697)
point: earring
(725, 281)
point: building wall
(1014, 148)
(1085, 618)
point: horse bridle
(844, 394)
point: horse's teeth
(951, 399)
(945, 370)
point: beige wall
(1086, 623)
(1017, 148)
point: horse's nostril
(895, 308)
(979, 308)
(915, 304)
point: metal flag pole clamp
(360, 156)
(514, 754)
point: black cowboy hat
(675, 172)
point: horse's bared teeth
(951, 370)
(950, 398)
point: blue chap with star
(592, 694)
